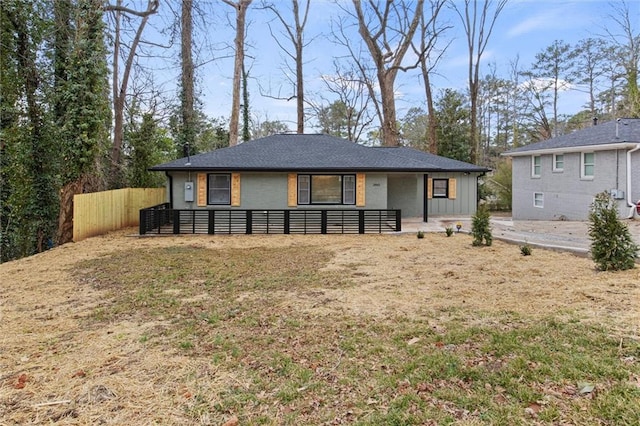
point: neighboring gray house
(299, 171)
(557, 179)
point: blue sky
(524, 28)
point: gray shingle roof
(296, 152)
(625, 130)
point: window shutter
(360, 190)
(292, 190)
(202, 189)
(452, 188)
(429, 188)
(235, 189)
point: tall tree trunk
(391, 135)
(241, 13)
(40, 211)
(432, 119)
(299, 75)
(187, 98)
(119, 87)
(388, 59)
(478, 27)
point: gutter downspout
(630, 204)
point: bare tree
(295, 34)
(626, 39)
(478, 26)
(348, 109)
(187, 91)
(430, 32)
(120, 83)
(387, 30)
(240, 7)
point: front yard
(366, 329)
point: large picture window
(326, 189)
(219, 189)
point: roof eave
(317, 170)
(581, 148)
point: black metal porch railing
(161, 219)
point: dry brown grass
(57, 363)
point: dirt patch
(56, 366)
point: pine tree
(612, 247)
(481, 227)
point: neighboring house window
(440, 188)
(326, 189)
(538, 199)
(588, 165)
(536, 166)
(558, 162)
(219, 189)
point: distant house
(558, 178)
(313, 171)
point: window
(304, 189)
(326, 189)
(349, 189)
(536, 165)
(538, 199)
(558, 162)
(219, 189)
(588, 165)
(440, 188)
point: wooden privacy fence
(100, 212)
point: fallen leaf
(413, 341)
(233, 421)
(585, 387)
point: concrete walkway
(570, 236)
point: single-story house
(318, 171)
(557, 179)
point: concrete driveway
(560, 235)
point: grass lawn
(384, 330)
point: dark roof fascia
(323, 170)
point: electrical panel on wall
(189, 192)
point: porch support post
(323, 222)
(249, 222)
(211, 226)
(142, 224)
(287, 221)
(398, 220)
(176, 221)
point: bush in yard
(481, 227)
(612, 247)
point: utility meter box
(188, 191)
(617, 194)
